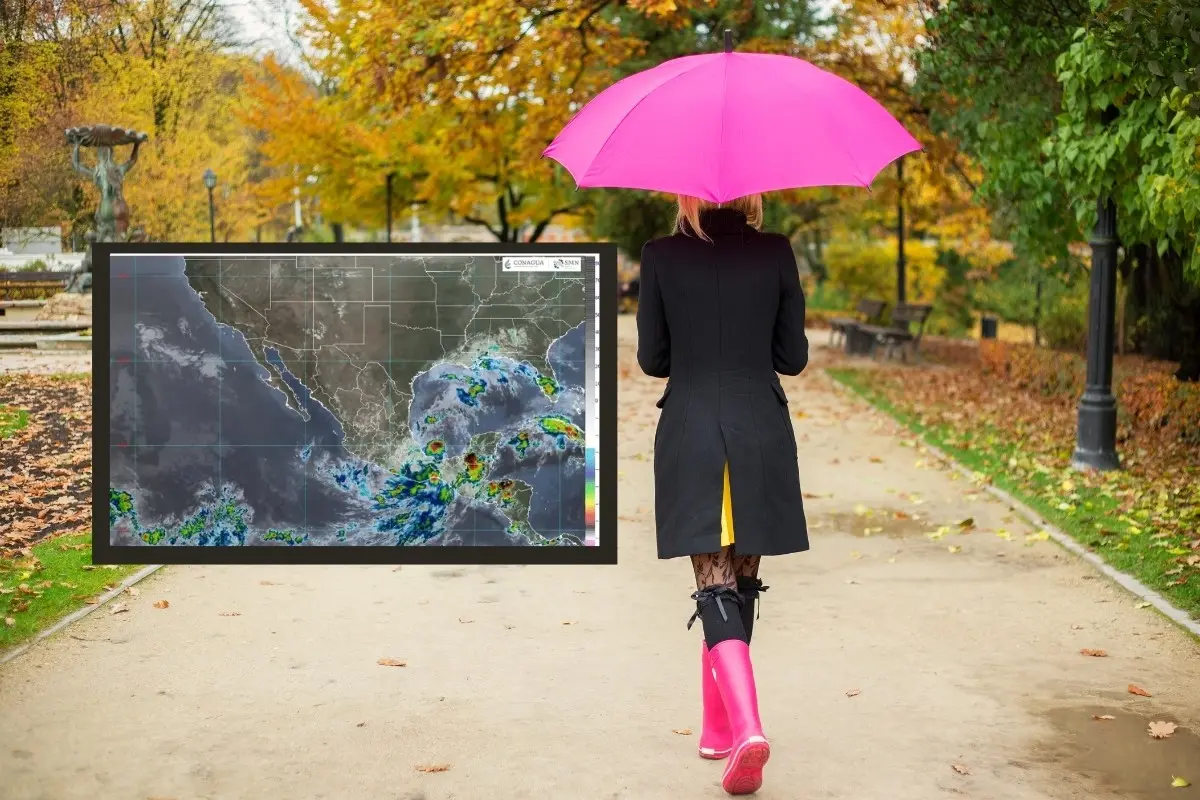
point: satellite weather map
(376, 400)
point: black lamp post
(900, 277)
(1096, 438)
(210, 181)
(390, 176)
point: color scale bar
(589, 498)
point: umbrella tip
(728, 41)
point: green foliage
(1146, 158)
(987, 74)
(1054, 301)
(1064, 320)
(825, 296)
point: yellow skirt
(726, 513)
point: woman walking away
(720, 313)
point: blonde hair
(687, 221)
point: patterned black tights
(723, 568)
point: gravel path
(884, 661)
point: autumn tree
(166, 67)
(457, 102)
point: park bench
(902, 334)
(869, 313)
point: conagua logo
(543, 264)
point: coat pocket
(663, 399)
(778, 390)
(783, 411)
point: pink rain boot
(735, 680)
(714, 728)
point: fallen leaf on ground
(161, 604)
(682, 731)
(875, 460)
(1040, 536)
(960, 769)
(1135, 689)
(569, 622)
(391, 662)
(91, 601)
(1180, 783)
(1087, 651)
(119, 608)
(1102, 717)
(229, 614)
(433, 768)
(132, 591)
(853, 692)
(939, 533)
(901, 515)
(861, 510)
(1142, 605)
(954, 548)
(855, 554)
(1161, 730)
(9, 621)
(465, 621)
(966, 524)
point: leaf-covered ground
(45, 458)
(45, 503)
(1143, 519)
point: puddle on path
(1120, 756)
(880, 522)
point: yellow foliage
(865, 268)
(165, 190)
(158, 67)
(459, 103)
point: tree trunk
(1167, 307)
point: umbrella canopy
(724, 125)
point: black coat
(719, 320)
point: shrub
(1064, 322)
(862, 267)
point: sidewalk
(968, 658)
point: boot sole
(714, 755)
(743, 775)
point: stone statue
(112, 214)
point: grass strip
(1090, 513)
(58, 578)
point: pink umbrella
(725, 125)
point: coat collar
(722, 220)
